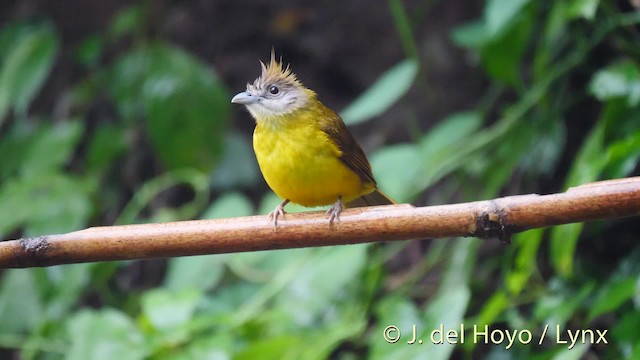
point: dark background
(118, 112)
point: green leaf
(196, 180)
(127, 21)
(185, 105)
(204, 272)
(588, 164)
(63, 205)
(525, 264)
(327, 339)
(238, 166)
(497, 303)
(24, 70)
(618, 80)
(273, 348)
(449, 132)
(449, 304)
(623, 285)
(90, 50)
(590, 158)
(47, 204)
(582, 8)
(187, 109)
(502, 56)
(563, 245)
(105, 334)
(625, 329)
(404, 27)
(385, 92)
(166, 309)
(553, 37)
(51, 148)
(613, 295)
(471, 35)
(395, 167)
(404, 169)
(109, 142)
(575, 353)
(321, 281)
(398, 311)
(499, 14)
(446, 308)
(561, 302)
(436, 158)
(229, 205)
(66, 284)
(546, 143)
(225, 303)
(195, 272)
(497, 167)
(216, 347)
(623, 156)
(34, 151)
(21, 303)
(14, 144)
(288, 343)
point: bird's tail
(376, 197)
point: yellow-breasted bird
(304, 150)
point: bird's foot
(277, 212)
(334, 211)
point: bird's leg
(277, 212)
(335, 210)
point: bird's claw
(277, 212)
(334, 211)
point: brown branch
(493, 218)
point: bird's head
(275, 94)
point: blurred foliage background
(119, 112)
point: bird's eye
(274, 90)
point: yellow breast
(300, 163)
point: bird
(304, 150)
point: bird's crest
(275, 72)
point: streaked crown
(275, 73)
(276, 93)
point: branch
(485, 219)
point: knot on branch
(491, 223)
(31, 250)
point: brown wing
(376, 197)
(352, 154)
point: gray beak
(244, 98)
